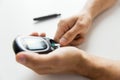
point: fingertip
(42, 34)
(35, 34)
(63, 41)
(21, 58)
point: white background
(16, 18)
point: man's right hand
(71, 31)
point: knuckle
(62, 23)
(70, 33)
(80, 24)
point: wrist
(91, 67)
(87, 13)
(96, 7)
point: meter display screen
(34, 44)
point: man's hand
(62, 60)
(71, 60)
(72, 31)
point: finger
(34, 34)
(64, 26)
(42, 34)
(37, 34)
(34, 60)
(70, 35)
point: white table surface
(16, 19)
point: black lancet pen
(46, 17)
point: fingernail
(21, 59)
(63, 41)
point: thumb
(69, 36)
(33, 59)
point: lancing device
(46, 17)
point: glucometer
(34, 44)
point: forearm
(95, 7)
(98, 68)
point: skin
(71, 59)
(72, 31)
(63, 61)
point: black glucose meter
(34, 44)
